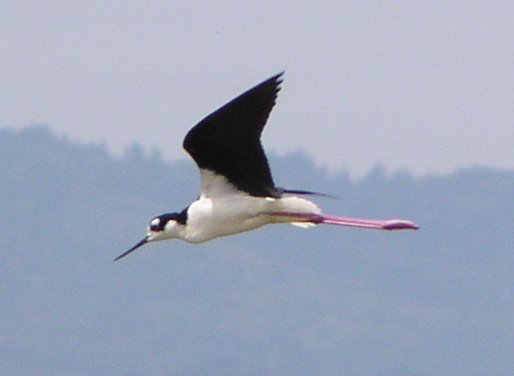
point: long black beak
(141, 243)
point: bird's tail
(302, 192)
(294, 210)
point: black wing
(227, 141)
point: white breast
(210, 218)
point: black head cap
(158, 223)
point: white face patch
(170, 225)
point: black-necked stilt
(237, 192)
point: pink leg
(382, 224)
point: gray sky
(420, 86)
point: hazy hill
(280, 300)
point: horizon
(156, 152)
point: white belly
(211, 218)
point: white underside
(211, 218)
(223, 210)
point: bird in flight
(237, 192)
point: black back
(228, 140)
